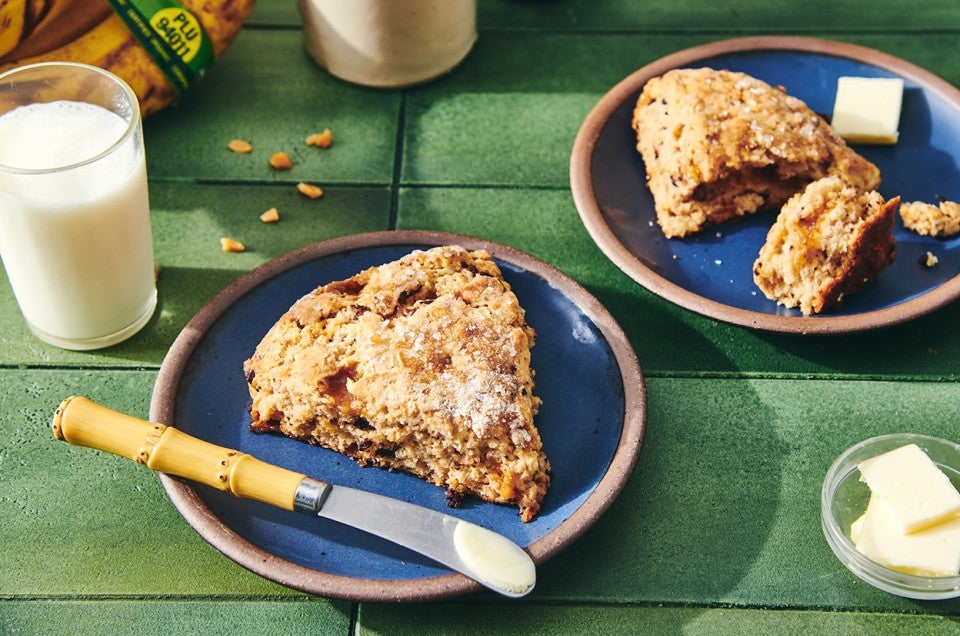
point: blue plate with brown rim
(591, 422)
(711, 273)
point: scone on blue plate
(421, 365)
(719, 145)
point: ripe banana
(49, 24)
(13, 24)
(106, 41)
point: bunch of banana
(91, 32)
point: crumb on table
(231, 245)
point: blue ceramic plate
(591, 423)
(711, 273)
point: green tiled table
(717, 531)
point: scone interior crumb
(926, 219)
(828, 241)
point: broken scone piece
(422, 365)
(828, 241)
(719, 145)
(931, 220)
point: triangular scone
(828, 241)
(719, 145)
(422, 365)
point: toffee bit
(320, 140)
(362, 424)
(270, 216)
(280, 161)
(310, 190)
(454, 499)
(240, 146)
(231, 245)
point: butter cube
(867, 109)
(856, 528)
(919, 494)
(931, 552)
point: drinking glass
(75, 237)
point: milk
(74, 223)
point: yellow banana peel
(88, 31)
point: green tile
(274, 13)
(696, 524)
(98, 524)
(670, 340)
(267, 91)
(717, 531)
(120, 616)
(492, 139)
(746, 16)
(543, 223)
(188, 221)
(508, 116)
(525, 618)
(724, 505)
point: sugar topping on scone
(421, 364)
(718, 145)
(828, 241)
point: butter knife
(481, 554)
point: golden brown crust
(719, 145)
(422, 364)
(829, 241)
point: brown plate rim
(581, 185)
(199, 516)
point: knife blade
(481, 554)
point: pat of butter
(867, 109)
(494, 560)
(918, 492)
(857, 527)
(931, 552)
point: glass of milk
(75, 234)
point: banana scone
(931, 220)
(719, 145)
(422, 365)
(828, 241)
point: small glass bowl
(844, 498)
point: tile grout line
(354, 627)
(556, 602)
(397, 163)
(286, 183)
(647, 374)
(501, 30)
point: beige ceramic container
(388, 43)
